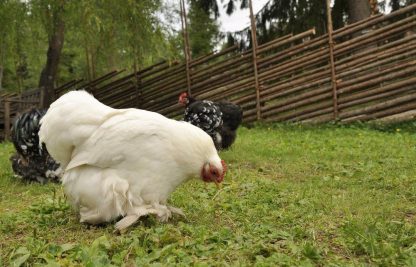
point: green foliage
(203, 30)
(293, 196)
(19, 45)
(100, 36)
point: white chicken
(124, 162)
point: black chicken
(218, 119)
(31, 161)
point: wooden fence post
(7, 119)
(138, 86)
(332, 60)
(187, 53)
(254, 50)
(42, 96)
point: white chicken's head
(214, 171)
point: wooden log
(287, 41)
(367, 23)
(405, 116)
(383, 61)
(299, 103)
(363, 98)
(105, 89)
(374, 36)
(378, 107)
(383, 113)
(154, 92)
(229, 90)
(162, 77)
(283, 90)
(376, 53)
(289, 78)
(359, 98)
(212, 56)
(322, 111)
(218, 90)
(411, 106)
(16, 100)
(223, 73)
(117, 90)
(221, 80)
(365, 84)
(308, 59)
(376, 94)
(294, 51)
(383, 75)
(295, 101)
(90, 85)
(275, 41)
(296, 113)
(357, 26)
(241, 63)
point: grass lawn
(293, 196)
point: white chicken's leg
(90, 216)
(133, 216)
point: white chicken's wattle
(124, 162)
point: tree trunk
(49, 72)
(93, 63)
(87, 59)
(1, 77)
(358, 10)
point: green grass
(293, 196)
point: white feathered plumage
(124, 162)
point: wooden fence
(11, 104)
(363, 71)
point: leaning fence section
(363, 71)
(371, 75)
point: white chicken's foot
(133, 216)
(162, 212)
(176, 211)
(165, 212)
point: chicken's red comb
(183, 95)
(182, 98)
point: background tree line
(48, 42)
(44, 41)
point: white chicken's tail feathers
(69, 121)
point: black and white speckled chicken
(219, 119)
(31, 161)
